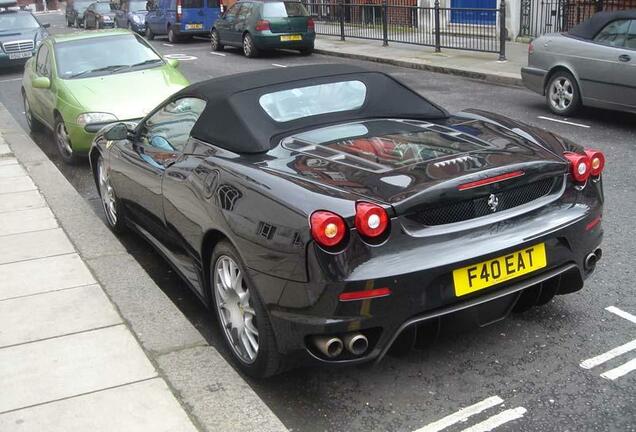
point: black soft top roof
(590, 28)
(233, 118)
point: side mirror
(41, 83)
(46, 25)
(117, 132)
(161, 143)
(172, 62)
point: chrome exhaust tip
(356, 343)
(590, 261)
(330, 346)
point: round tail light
(371, 219)
(580, 166)
(327, 228)
(597, 161)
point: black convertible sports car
(325, 212)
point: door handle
(624, 58)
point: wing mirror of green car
(117, 132)
(41, 83)
(172, 62)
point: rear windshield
(102, 7)
(309, 101)
(392, 143)
(284, 9)
(192, 4)
(81, 6)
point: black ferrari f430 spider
(324, 212)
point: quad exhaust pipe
(332, 346)
(592, 258)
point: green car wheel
(33, 123)
(63, 142)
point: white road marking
(618, 372)
(217, 53)
(462, 415)
(10, 80)
(621, 313)
(600, 359)
(180, 57)
(167, 44)
(565, 122)
(497, 420)
(278, 65)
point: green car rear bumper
(267, 40)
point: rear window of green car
(284, 10)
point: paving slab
(4, 150)
(8, 161)
(43, 274)
(21, 201)
(32, 245)
(217, 395)
(58, 313)
(16, 184)
(69, 366)
(11, 170)
(20, 221)
(147, 406)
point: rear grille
(478, 207)
(17, 46)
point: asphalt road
(526, 367)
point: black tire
(96, 25)
(307, 51)
(172, 36)
(249, 49)
(76, 23)
(562, 93)
(215, 41)
(65, 149)
(115, 218)
(69, 23)
(33, 123)
(149, 34)
(268, 360)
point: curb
(492, 78)
(213, 394)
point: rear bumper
(268, 40)
(534, 79)
(180, 30)
(421, 282)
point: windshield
(103, 55)
(137, 6)
(10, 21)
(284, 10)
(102, 7)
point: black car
(75, 12)
(20, 34)
(324, 211)
(99, 15)
(132, 15)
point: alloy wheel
(561, 94)
(235, 310)
(247, 46)
(214, 40)
(27, 112)
(62, 140)
(106, 193)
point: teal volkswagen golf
(260, 25)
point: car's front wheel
(63, 142)
(110, 203)
(249, 49)
(149, 34)
(33, 123)
(244, 322)
(562, 94)
(307, 51)
(215, 41)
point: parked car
(594, 64)
(99, 15)
(181, 19)
(323, 211)
(79, 82)
(75, 12)
(20, 34)
(264, 25)
(132, 15)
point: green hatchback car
(261, 25)
(79, 82)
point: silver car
(594, 64)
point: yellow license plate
(194, 26)
(485, 274)
(291, 38)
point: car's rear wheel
(149, 34)
(69, 23)
(249, 49)
(562, 94)
(63, 141)
(241, 315)
(110, 203)
(307, 51)
(215, 41)
(172, 36)
(33, 123)
(96, 25)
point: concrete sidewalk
(476, 65)
(88, 342)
